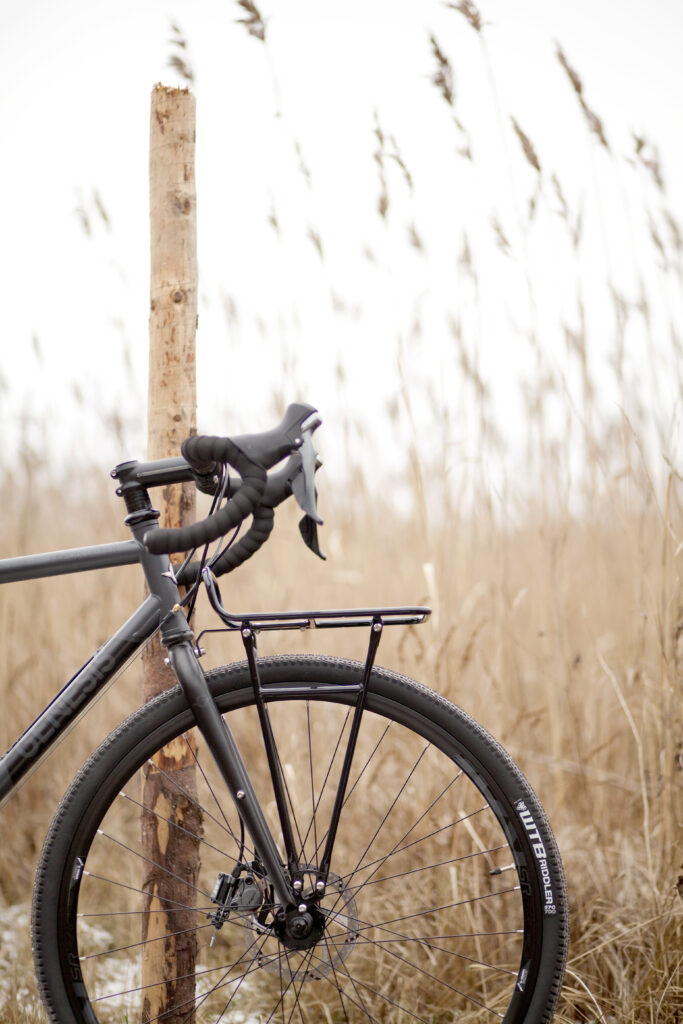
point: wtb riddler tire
(445, 901)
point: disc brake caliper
(234, 894)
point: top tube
(60, 563)
(157, 473)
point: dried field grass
(557, 592)
(563, 635)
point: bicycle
(373, 856)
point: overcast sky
(76, 79)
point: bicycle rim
(437, 908)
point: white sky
(75, 81)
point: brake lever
(303, 485)
(309, 531)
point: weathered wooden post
(169, 952)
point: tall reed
(539, 510)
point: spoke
(400, 937)
(254, 966)
(289, 797)
(305, 961)
(445, 984)
(165, 899)
(391, 807)
(322, 789)
(219, 984)
(424, 867)
(211, 791)
(336, 983)
(425, 941)
(175, 824)
(398, 849)
(313, 802)
(416, 842)
(361, 1004)
(405, 835)
(360, 774)
(217, 802)
(154, 864)
(285, 990)
(129, 913)
(154, 984)
(281, 984)
(428, 974)
(144, 892)
(381, 824)
(238, 986)
(447, 906)
(194, 800)
(362, 771)
(381, 995)
(144, 942)
(393, 804)
(195, 1006)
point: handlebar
(162, 542)
(278, 489)
(255, 493)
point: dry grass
(564, 635)
(557, 591)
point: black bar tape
(278, 489)
(255, 537)
(204, 451)
(200, 452)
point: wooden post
(169, 953)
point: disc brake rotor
(342, 929)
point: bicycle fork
(178, 639)
(230, 764)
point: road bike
(360, 849)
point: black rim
(356, 997)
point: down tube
(75, 698)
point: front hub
(316, 936)
(301, 929)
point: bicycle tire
(453, 898)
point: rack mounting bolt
(302, 908)
(246, 632)
(240, 794)
(377, 627)
(320, 887)
(297, 885)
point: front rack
(250, 623)
(329, 618)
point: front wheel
(445, 901)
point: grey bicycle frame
(161, 610)
(52, 725)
